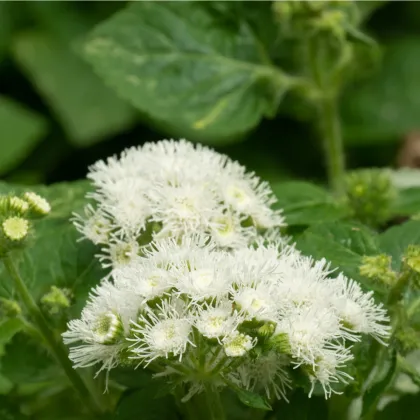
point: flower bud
(280, 343)
(15, 228)
(238, 344)
(378, 267)
(56, 300)
(37, 203)
(108, 329)
(370, 195)
(9, 308)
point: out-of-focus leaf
(143, 404)
(88, 110)
(251, 399)
(380, 382)
(341, 243)
(387, 105)
(187, 69)
(8, 329)
(405, 408)
(306, 204)
(21, 130)
(396, 240)
(5, 27)
(300, 407)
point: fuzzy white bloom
(218, 321)
(237, 344)
(162, 333)
(358, 310)
(102, 328)
(252, 314)
(181, 189)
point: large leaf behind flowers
(187, 69)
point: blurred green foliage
(198, 70)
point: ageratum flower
(175, 188)
(197, 313)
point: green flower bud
(9, 308)
(280, 343)
(38, 204)
(378, 268)
(56, 300)
(412, 257)
(15, 228)
(108, 329)
(370, 195)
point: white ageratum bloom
(358, 310)
(238, 344)
(252, 314)
(164, 332)
(218, 321)
(100, 332)
(182, 189)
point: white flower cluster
(252, 316)
(173, 188)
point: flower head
(15, 228)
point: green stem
(333, 143)
(214, 407)
(329, 118)
(57, 349)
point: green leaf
(387, 106)
(142, 404)
(88, 110)
(300, 407)
(305, 204)
(405, 408)
(341, 243)
(251, 399)
(396, 240)
(187, 69)
(8, 329)
(5, 385)
(5, 26)
(384, 375)
(407, 202)
(21, 131)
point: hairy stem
(57, 349)
(333, 143)
(214, 407)
(329, 119)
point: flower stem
(214, 407)
(329, 119)
(56, 348)
(333, 143)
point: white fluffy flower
(358, 310)
(181, 187)
(218, 321)
(102, 328)
(201, 310)
(162, 333)
(238, 344)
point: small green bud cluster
(9, 308)
(370, 195)
(301, 18)
(16, 214)
(378, 268)
(56, 300)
